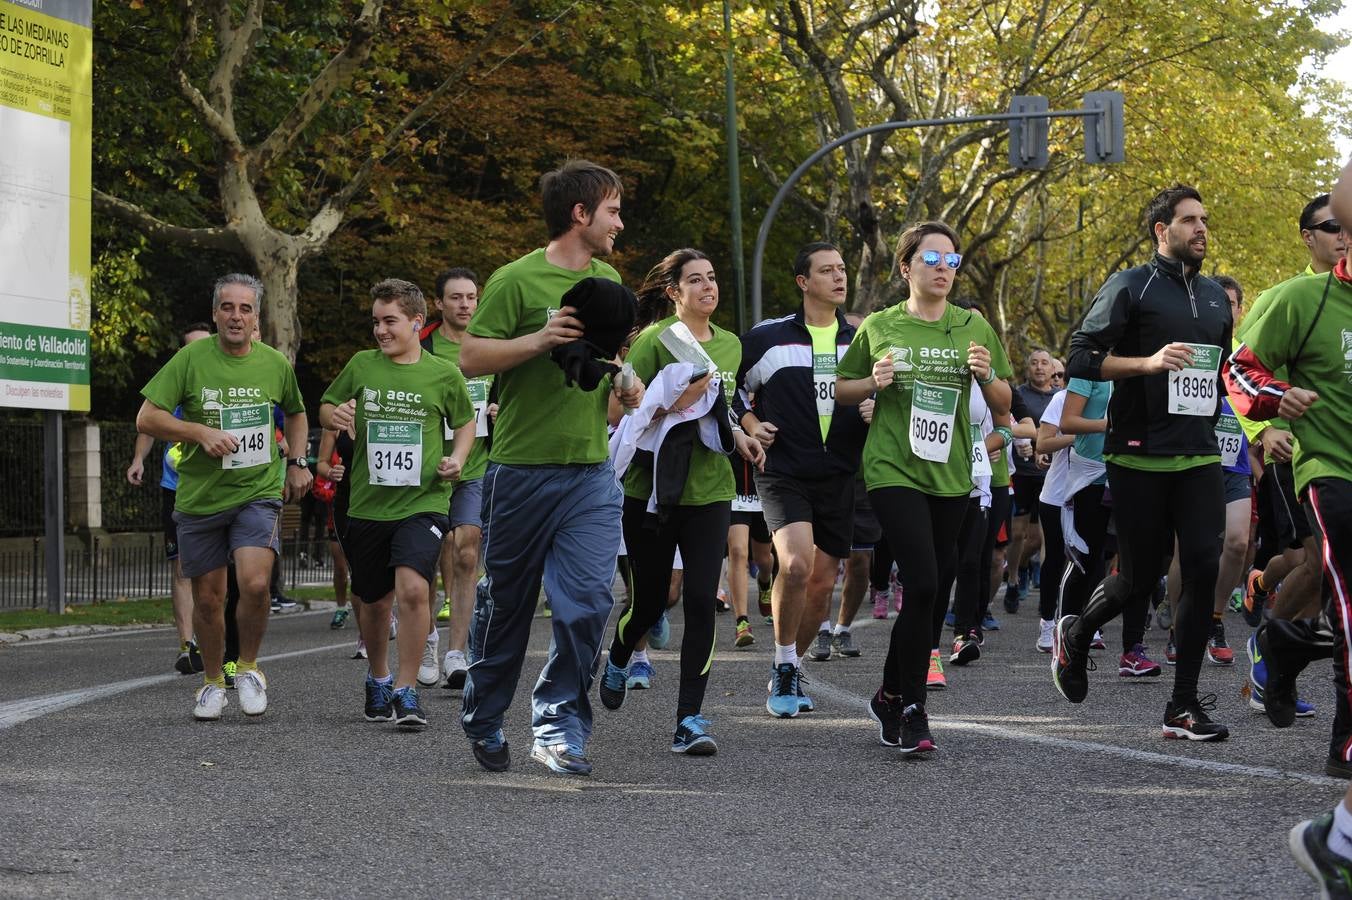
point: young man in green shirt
(551, 498)
(457, 296)
(1318, 405)
(398, 403)
(232, 479)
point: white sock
(388, 679)
(842, 629)
(798, 660)
(638, 656)
(786, 653)
(1340, 835)
(826, 625)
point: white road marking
(1215, 767)
(18, 711)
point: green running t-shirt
(402, 411)
(710, 479)
(479, 388)
(919, 435)
(235, 394)
(540, 420)
(1317, 354)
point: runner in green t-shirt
(232, 480)
(919, 358)
(457, 297)
(398, 402)
(552, 500)
(698, 524)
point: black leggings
(972, 561)
(1151, 509)
(1053, 559)
(702, 534)
(923, 532)
(880, 567)
(996, 517)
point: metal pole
(758, 259)
(54, 510)
(734, 175)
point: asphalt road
(108, 788)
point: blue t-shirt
(1242, 465)
(1096, 395)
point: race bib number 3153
(394, 453)
(1192, 390)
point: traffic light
(1103, 132)
(1028, 137)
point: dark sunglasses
(1328, 226)
(931, 258)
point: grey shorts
(1236, 487)
(467, 503)
(206, 543)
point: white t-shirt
(978, 413)
(1054, 485)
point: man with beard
(1161, 332)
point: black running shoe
(887, 713)
(915, 733)
(1309, 843)
(966, 649)
(408, 714)
(1070, 664)
(183, 665)
(195, 657)
(1011, 598)
(492, 753)
(1336, 767)
(1279, 694)
(378, 697)
(1189, 721)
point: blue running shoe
(693, 738)
(378, 697)
(990, 623)
(805, 703)
(660, 634)
(1257, 667)
(1304, 709)
(614, 682)
(950, 619)
(640, 675)
(408, 712)
(783, 689)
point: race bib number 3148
(251, 426)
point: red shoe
(1136, 664)
(1218, 652)
(935, 680)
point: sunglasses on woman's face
(1328, 226)
(931, 258)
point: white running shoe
(252, 688)
(456, 669)
(428, 673)
(394, 624)
(1044, 637)
(211, 702)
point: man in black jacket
(786, 400)
(1160, 331)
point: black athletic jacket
(1136, 312)
(775, 382)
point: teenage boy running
(396, 402)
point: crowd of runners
(553, 428)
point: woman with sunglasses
(920, 357)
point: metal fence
(127, 507)
(135, 569)
(21, 475)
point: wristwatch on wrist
(299, 462)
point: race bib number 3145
(394, 453)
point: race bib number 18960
(1192, 391)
